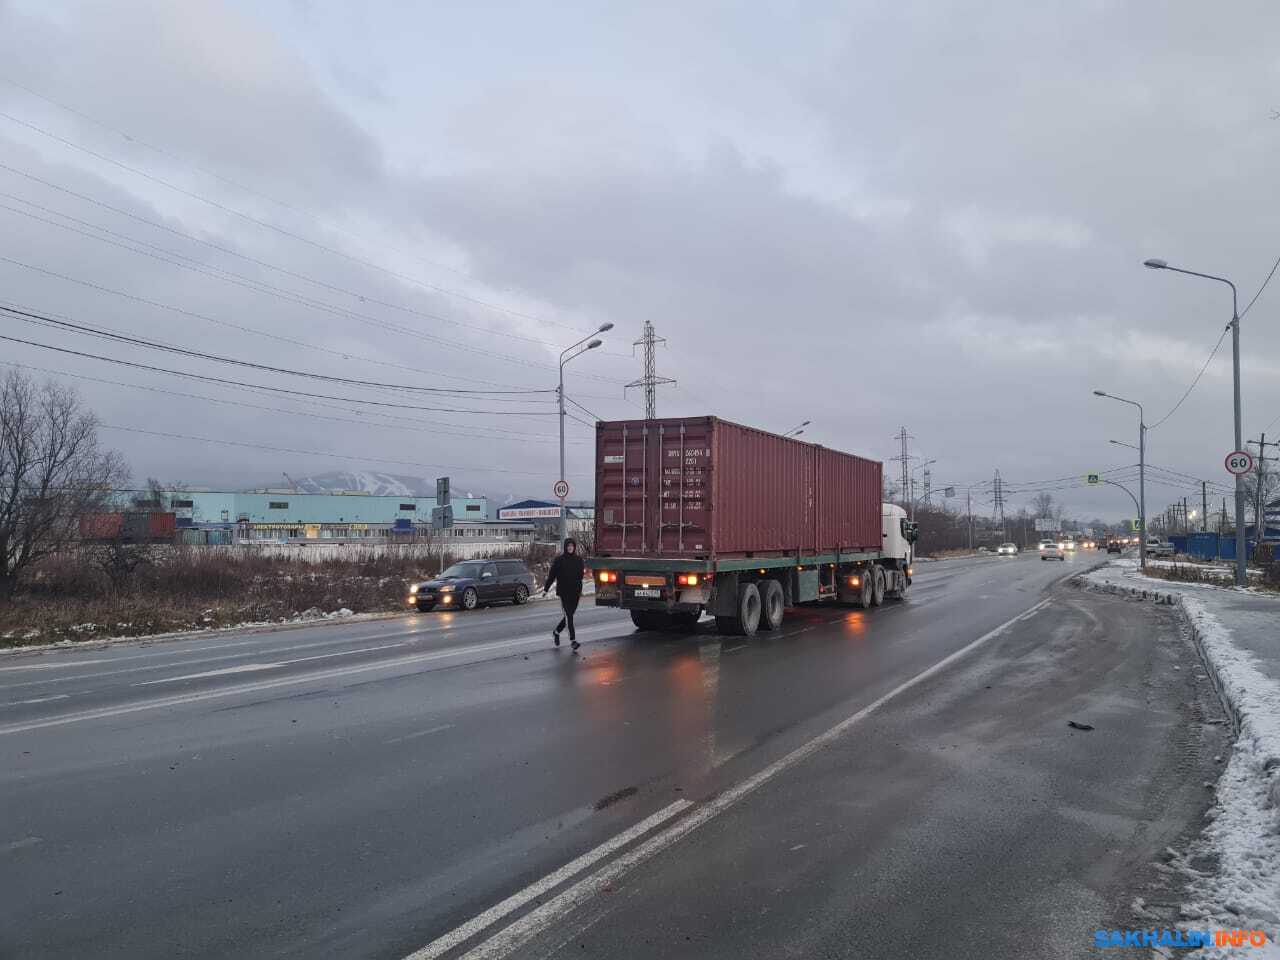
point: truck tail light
(607, 576)
(855, 581)
(687, 579)
(910, 571)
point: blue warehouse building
(315, 516)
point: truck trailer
(700, 515)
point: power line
(284, 390)
(1212, 353)
(31, 317)
(1274, 267)
(408, 424)
(372, 321)
(583, 409)
(267, 225)
(164, 254)
(319, 453)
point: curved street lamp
(565, 356)
(1156, 264)
(1141, 502)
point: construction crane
(293, 485)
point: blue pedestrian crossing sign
(1093, 479)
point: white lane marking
(19, 703)
(20, 844)
(420, 733)
(189, 663)
(416, 632)
(166, 645)
(259, 685)
(511, 938)
(443, 945)
(252, 667)
(51, 666)
(224, 672)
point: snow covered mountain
(367, 481)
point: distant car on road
(469, 584)
(1115, 546)
(1049, 550)
(1007, 549)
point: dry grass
(190, 588)
(1217, 575)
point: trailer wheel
(748, 609)
(867, 591)
(772, 605)
(877, 588)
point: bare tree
(52, 471)
(1260, 490)
(1042, 505)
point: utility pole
(1204, 507)
(1186, 522)
(1260, 483)
(904, 459)
(999, 504)
(650, 381)
(968, 509)
(928, 485)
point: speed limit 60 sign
(561, 489)
(1239, 462)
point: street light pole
(1141, 502)
(1241, 576)
(565, 357)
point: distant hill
(367, 481)
(378, 484)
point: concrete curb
(1135, 593)
(1232, 708)
(1229, 706)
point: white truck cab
(898, 535)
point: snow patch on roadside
(1244, 828)
(1243, 833)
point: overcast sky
(863, 215)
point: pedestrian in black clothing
(566, 574)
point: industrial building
(544, 515)
(211, 516)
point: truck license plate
(655, 594)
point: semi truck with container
(700, 515)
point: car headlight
(446, 589)
(414, 588)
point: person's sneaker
(574, 643)
(555, 637)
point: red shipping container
(162, 526)
(706, 488)
(130, 527)
(101, 526)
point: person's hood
(565, 547)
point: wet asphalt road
(363, 790)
